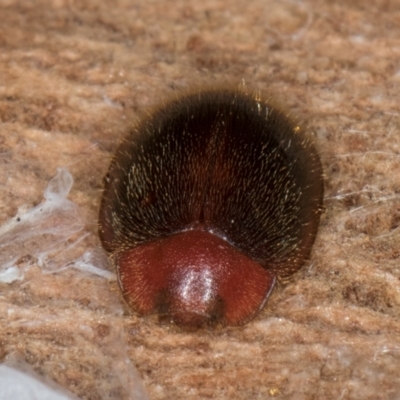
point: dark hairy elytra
(210, 200)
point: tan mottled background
(73, 74)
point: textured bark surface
(73, 75)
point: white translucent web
(53, 236)
(49, 235)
